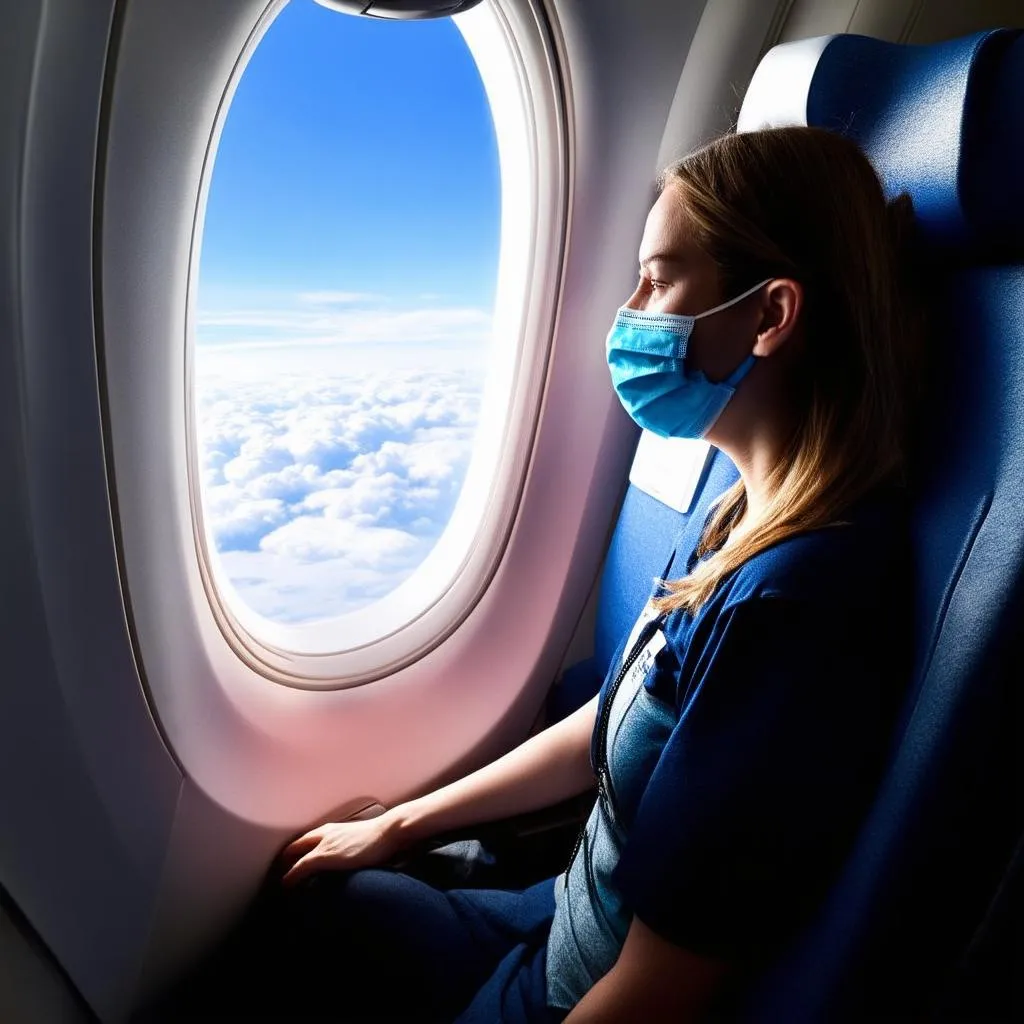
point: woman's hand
(341, 846)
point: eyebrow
(661, 257)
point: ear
(781, 307)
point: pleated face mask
(647, 359)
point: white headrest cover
(777, 94)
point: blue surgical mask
(647, 358)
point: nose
(635, 301)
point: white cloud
(323, 493)
(313, 539)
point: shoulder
(841, 592)
(839, 581)
(862, 557)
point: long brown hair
(805, 203)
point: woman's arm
(653, 981)
(548, 768)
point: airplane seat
(899, 936)
(900, 933)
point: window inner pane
(343, 325)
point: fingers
(305, 843)
(300, 869)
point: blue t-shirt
(742, 747)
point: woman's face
(676, 276)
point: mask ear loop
(737, 375)
(732, 302)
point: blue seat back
(944, 123)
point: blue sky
(346, 286)
(358, 155)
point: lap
(415, 952)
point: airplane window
(342, 317)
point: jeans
(381, 945)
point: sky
(346, 284)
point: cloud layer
(323, 493)
(339, 318)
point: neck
(754, 431)
(753, 467)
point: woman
(744, 723)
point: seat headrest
(944, 122)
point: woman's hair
(805, 203)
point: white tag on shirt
(645, 659)
(669, 468)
